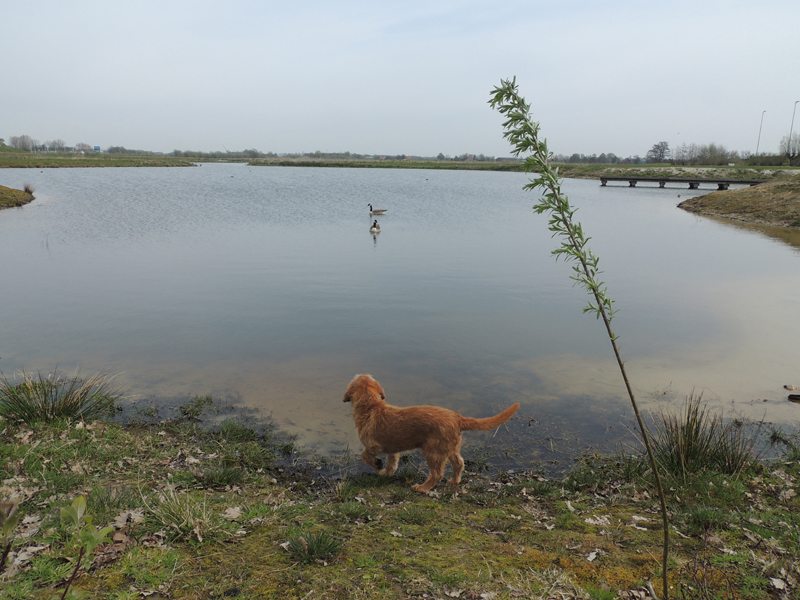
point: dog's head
(362, 389)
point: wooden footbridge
(694, 182)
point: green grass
(222, 476)
(32, 160)
(368, 536)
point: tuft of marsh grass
(46, 399)
(702, 519)
(415, 514)
(28, 188)
(221, 477)
(777, 436)
(182, 517)
(696, 440)
(195, 408)
(401, 494)
(109, 501)
(540, 488)
(355, 511)
(500, 523)
(248, 455)
(232, 430)
(309, 548)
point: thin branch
(523, 134)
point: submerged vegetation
(212, 504)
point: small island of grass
(9, 197)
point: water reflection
(783, 234)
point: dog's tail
(470, 424)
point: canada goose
(373, 211)
(375, 227)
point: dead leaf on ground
(602, 520)
(232, 513)
(128, 516)
(108, 553)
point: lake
(263, 286)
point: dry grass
(49, 398)
(775, 202)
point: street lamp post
(759, 132)
(789, 142)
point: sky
(398, 77)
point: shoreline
(177, 492)
(774, 203)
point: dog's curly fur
(390, 430)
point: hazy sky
(398, 77)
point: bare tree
(790, 148)
(658, 153)
(23, 142)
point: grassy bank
(19, 159)
(775, 202)
(10, 197)
(388, 164)
(568, 170)
(207, 504)
(29, 160)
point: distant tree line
(685, 154)
(604, 158)
(717, 154)
(28, 144)
(251, 153)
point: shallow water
(264, 285)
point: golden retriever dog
(390, 430)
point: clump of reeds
(697, 440)
(182, 517)
(28, 188)
(48, 398)
(310, 548)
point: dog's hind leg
(458, 467)
(371, 458)
(436, 465)
(391, 464)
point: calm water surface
(264, 285)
